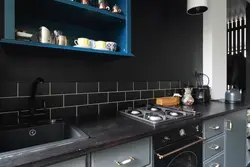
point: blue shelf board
(59, 47)
(91, 9)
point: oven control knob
(182, 132)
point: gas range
(158, 115)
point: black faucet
(32, 100)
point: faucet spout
(32, 104)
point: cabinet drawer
(213, 127)
(213, 147)
(216, 162)
(77, 162)
(139, 150)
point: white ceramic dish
(101, 49)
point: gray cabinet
(77, 162)
(235, 141)
(133, 154)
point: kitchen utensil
(112, 46)
(62, 40)
(187, 97)
(82, 42)
(101, 45)
(232, 95)
(116, 9)
(44, 35)
(85, 2)
(103, 5)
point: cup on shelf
(116, 9)
(82, 42)
(101, 45)
(92, 44)
(111, 46)
(62, 40)
(85, 2)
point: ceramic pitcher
(187, 98)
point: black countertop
(104, 134)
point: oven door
(183, 153)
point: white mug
(45, 36)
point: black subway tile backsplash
(25, 89)
(164, 84)
(98, 98)
(9, 118)
(140, 103)
(63, 88)
(88, 113)
(159, 93)
(108, 110)
(132, 95)
(125, 86)
(107, 86)
(140, 85)
(175, 84)
(13, 104)
(63, 112)
(86, 87)
(88, 100)
(151, 101)
(51, 101)
(71, 100)
(125, 105)
(147, 94)
(114, 97)
(153, 85)
(8, 89)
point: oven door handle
(200, 139)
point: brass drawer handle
(214, 147)
(125, 161)
(214, 165)
(229, 122)
(214, 127)
(200, 139)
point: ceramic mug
(111, 46)
(45, 35)
(82, 42)
(101, 45)
(62, 40)
(85, 2)
(92, 44)
(116, 9)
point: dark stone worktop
(104, 134)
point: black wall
(166, 42)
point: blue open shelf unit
(74, 19)
(68, 48)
